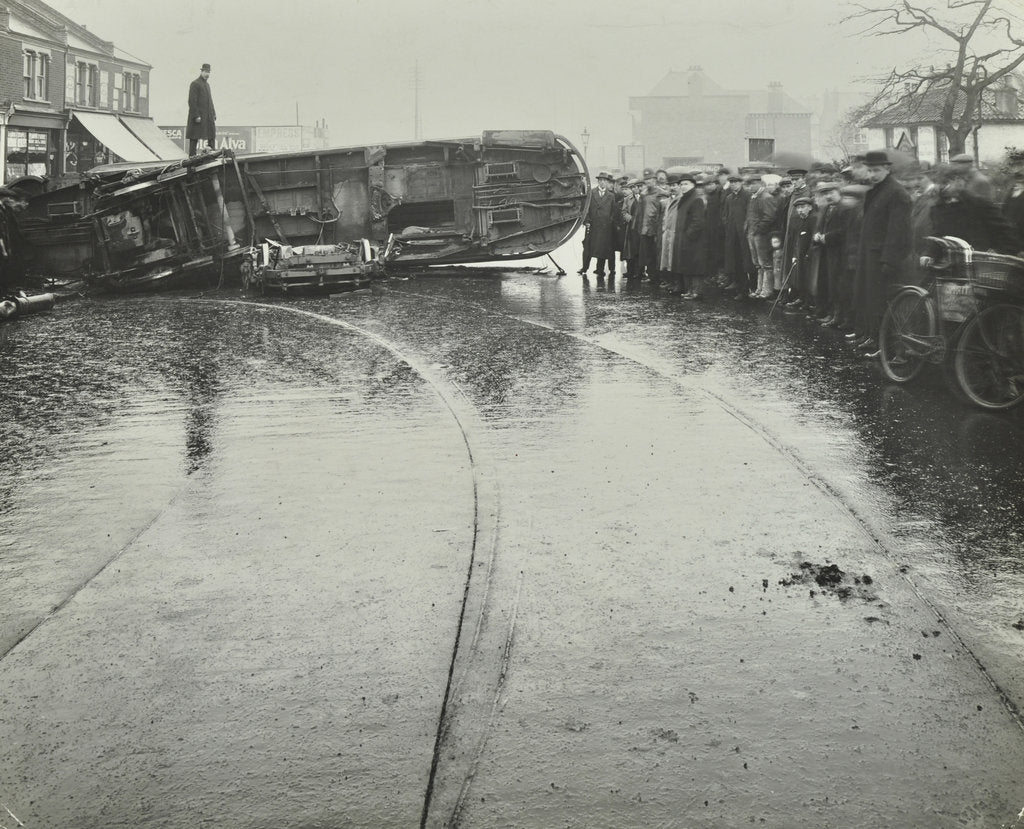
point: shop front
(32, 146)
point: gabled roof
(47, 21)
(926, 108)
(678, 84)
(761, 100)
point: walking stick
(782, 290)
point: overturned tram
(341, 213)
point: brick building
(68, 99)
(688, 119)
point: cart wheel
(989, 360)
(907, 338)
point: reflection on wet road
(248, 524)
(949, 478)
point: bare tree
(981, 44)
(841, 140)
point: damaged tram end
(310, 221)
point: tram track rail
(470, 663)
(876, 535)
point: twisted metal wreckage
(313, 219)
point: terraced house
(69, 100)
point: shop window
(36, 75)
(760, 149)
(30, 153)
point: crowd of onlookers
(825, 242)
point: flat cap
(803, 200)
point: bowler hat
(204, 68)
(877, 158)
(674, 178)
(648, 172)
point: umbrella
(789, 159)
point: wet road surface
(526, 553)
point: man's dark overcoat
(200, 105)
(715, 234)
(885, 235)
(689, 253)
(975, 220)
(601, 217)
(885, 243)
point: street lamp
(585, 138)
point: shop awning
(115, 136)
(146, 130)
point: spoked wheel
(989, 359)
(908, 337)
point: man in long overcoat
(735, 249)
(600, 223)
(631, 239)
(885, 243)
(649, 224)
(202, 117)
(668, 231)
(715, 232)
(689, 253)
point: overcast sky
(483, 64)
